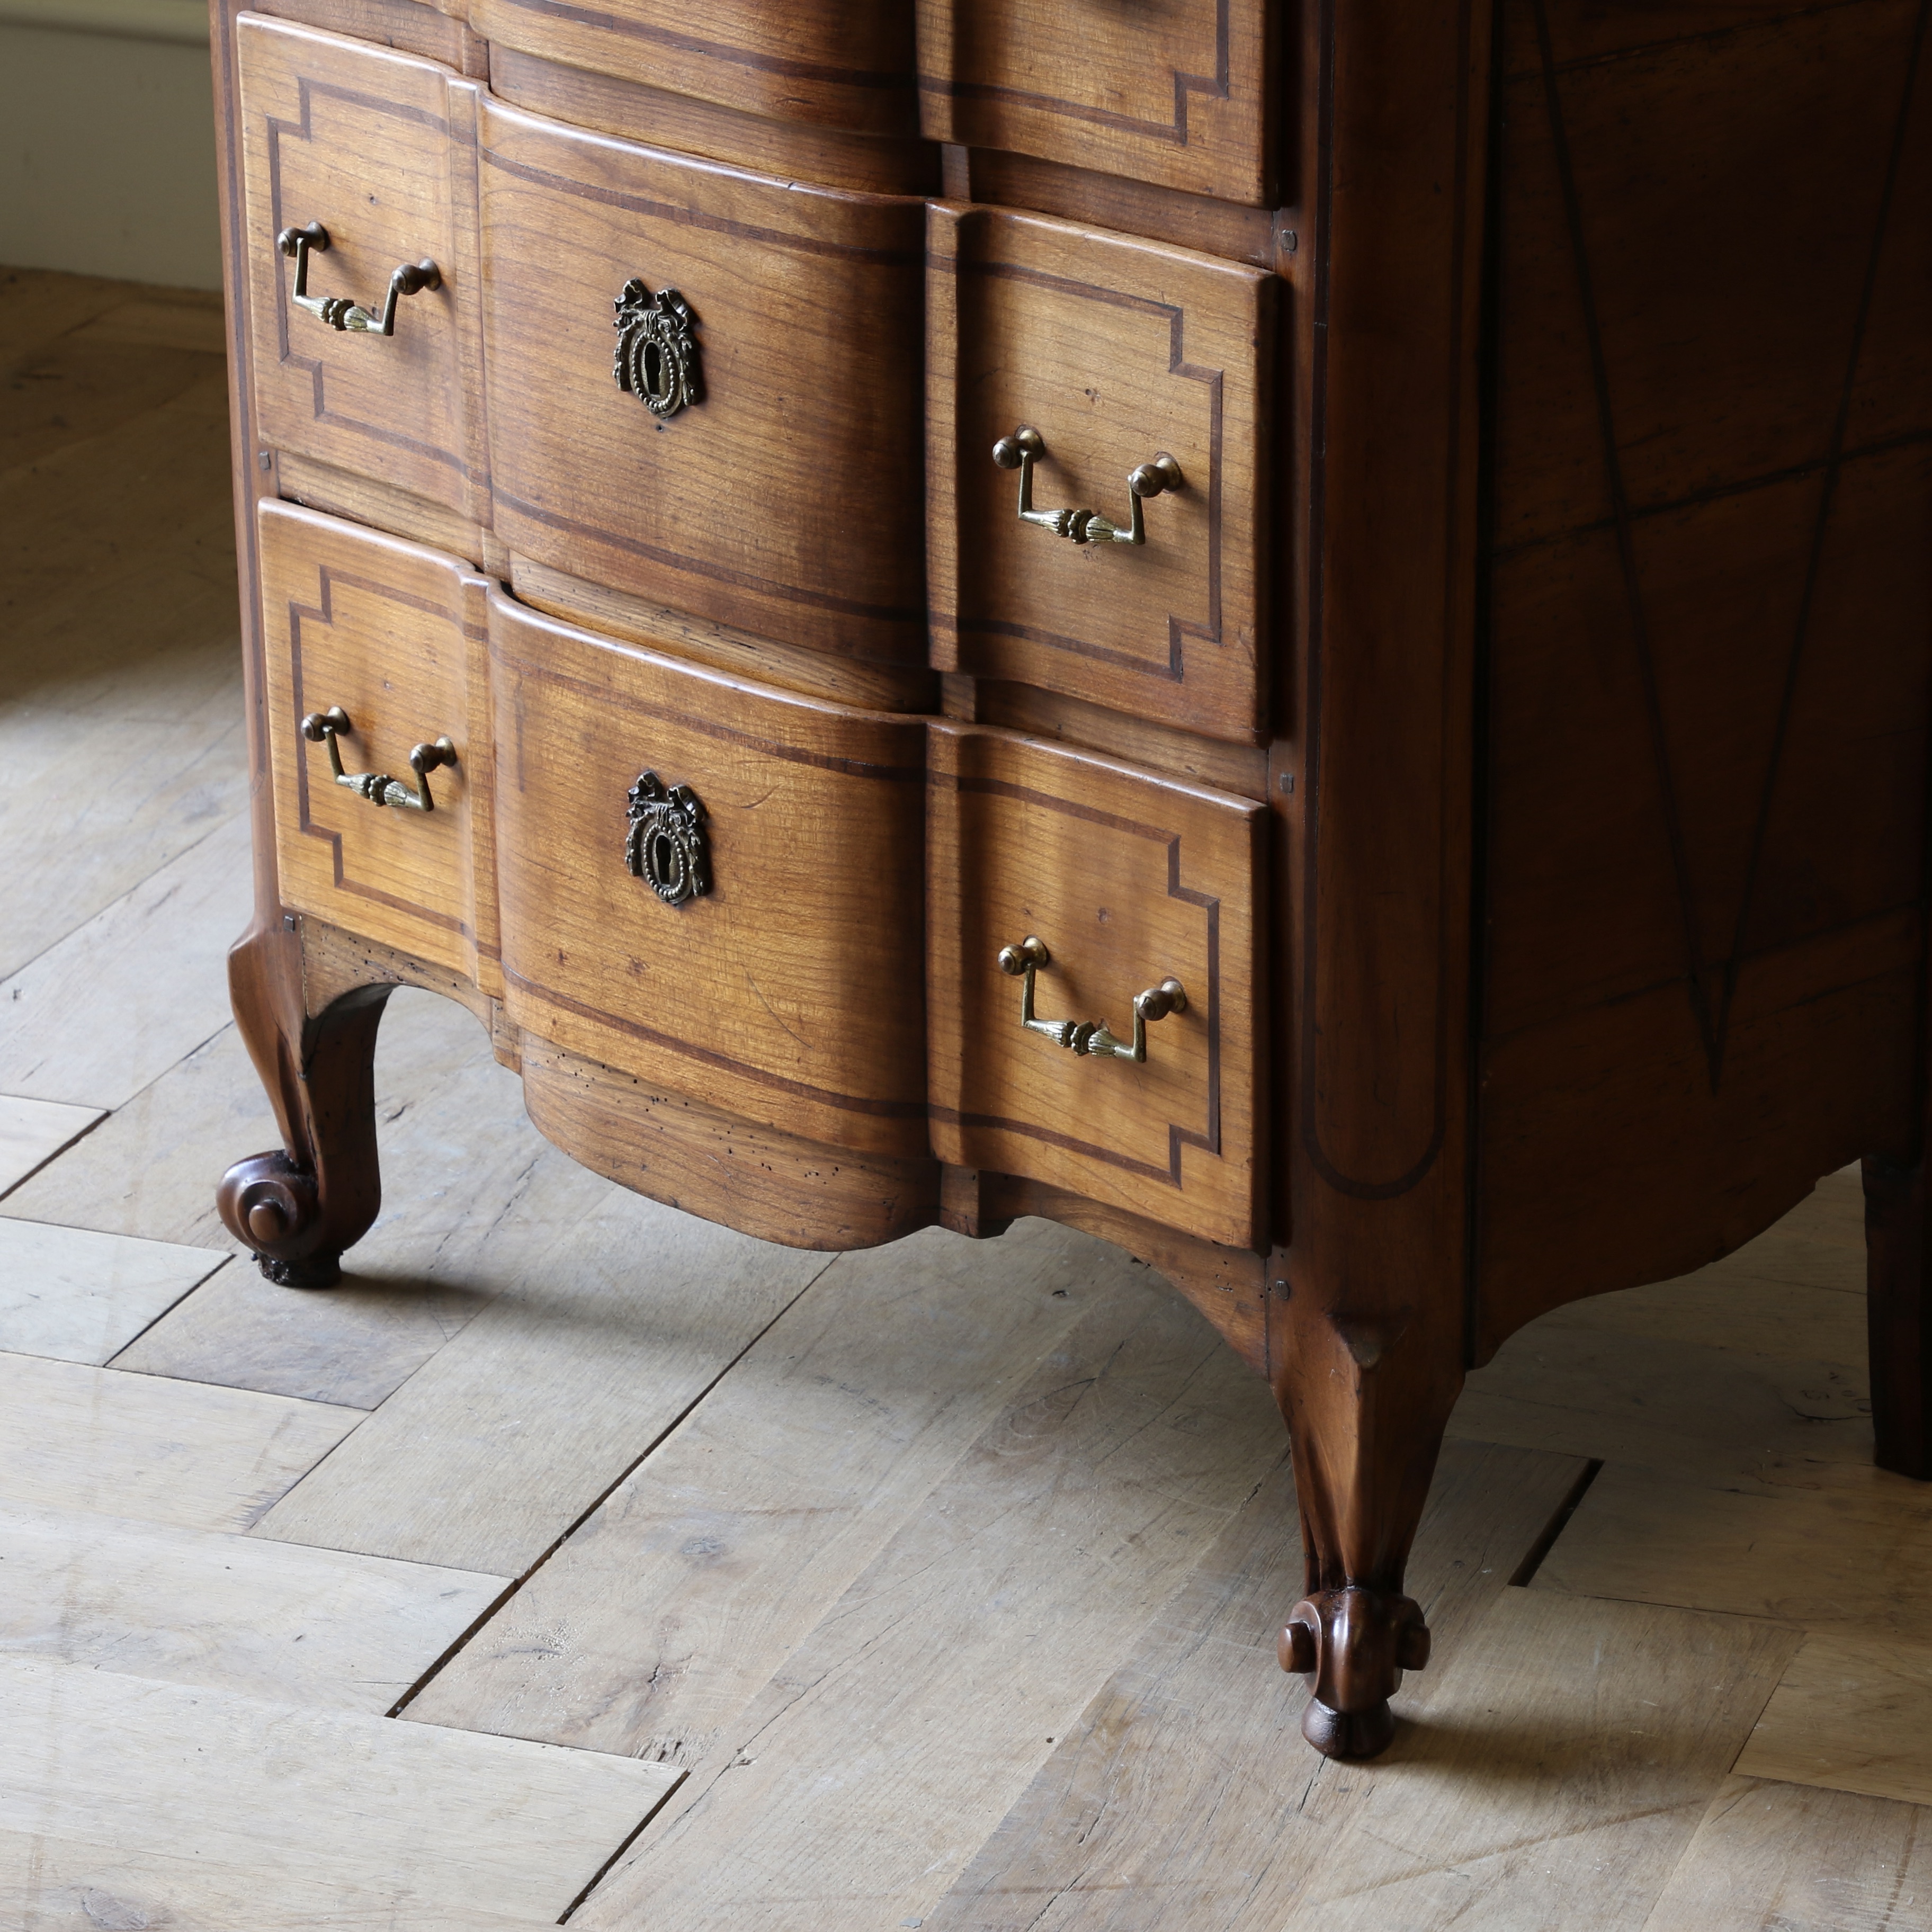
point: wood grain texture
(362, 500)
(1128, 880)
(322, 118)
(155, 701)
(633, 110)
(314, 1627)
(790, 991)
(1076, 1514)
(59, 1885)
(617, 613)
(1165, 1803)
(32, 1132)
(77, 1437)
(1129, 205)
(306, 1800)
(1180, 96)
(1837, 1549)
(81, 1297)
(1706, 844)
(505, 1438)
(651, 1630)
(394, 635)
(697, 1158)
(1142, 741)
(1541, 1781)
(1711, 1168)
(848, 67)
(1780, 1855)
(1851, 1713)
(786, 502)
(1116, 351)
(118, 1001)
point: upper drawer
(846, 65)
(710, 884)
(1126, 882)
(1113, 354)
(776, 485)
(1176, 93)
(384, 640)
(372, 148)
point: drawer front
(1176, 94)
(1114, 352)
(847, 65)
(782, 497)
(1128, 881)
(374, 147)
(392, 635)
(789, 989)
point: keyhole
(654, 370)
(665, 868)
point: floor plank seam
(603, 1871)
(1533, 1558)
(41, 1167)
(649, 1450)
(120, 899)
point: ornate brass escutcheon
(1025, 447)
(338, 311)
(666, 846)
(325, 727)
(1089, 1035)
(657, 349)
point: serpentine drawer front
(1061, 364)
(1174, 94)
(846, 66)
(1127, 882)
(390, 636)
(354, 164)
(710, 884)
(762, 466)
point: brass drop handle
(1025, 447)
(1089, 1035)
(325, 727)
(338, 311)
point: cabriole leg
(1897, 1319)
(1366, 1404)
(297, 1206)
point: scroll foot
(1351, 1646)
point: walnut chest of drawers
(1300, 635)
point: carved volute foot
(269, 1205)
(1352, 1646)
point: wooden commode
(1300, 636)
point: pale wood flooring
(579, 1559)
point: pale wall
(107, 140)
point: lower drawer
(379, 645)
(712, 883)
(1130, 886)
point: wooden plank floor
(577, 1559)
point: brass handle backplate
(338, 311)
(325, 727)
(1089, 1035)
(1025, 447)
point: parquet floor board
(83, 1296)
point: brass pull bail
(1090, 1036)
(1026, 446)
(338, 311)
(325, 727)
